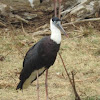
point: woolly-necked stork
(41, 56)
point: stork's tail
(19, 86)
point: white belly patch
(32, 77)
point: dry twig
(82, 21)
(20, 18)
(77, 97)
(2, 24)
(72, 82)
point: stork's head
(55, 24)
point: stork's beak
(61, 28)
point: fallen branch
(69, 9)
(72, 82)
(82, 10)
(65, 69)
(20, 18)
(2, 24)
(82, 21)
(77, 97)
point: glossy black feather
(42, 54)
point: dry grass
(81, 53)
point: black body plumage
(42, 54)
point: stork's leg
(55, 8)
(46, 85)
(38, 84)
(59, 8)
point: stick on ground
(72, 81)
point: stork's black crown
(55, 19)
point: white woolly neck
(55, 33)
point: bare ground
(81, 53)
